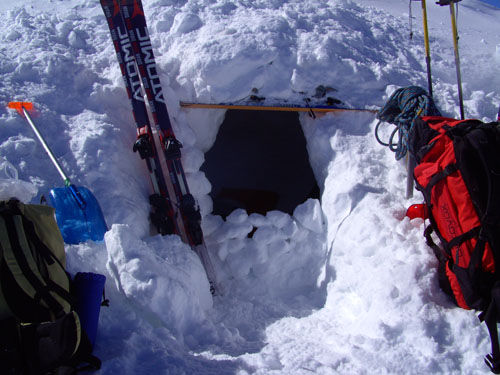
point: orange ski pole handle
(18, 106)
(23, 108)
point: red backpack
(458, 172)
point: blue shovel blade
(78, 222)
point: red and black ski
(174, 209)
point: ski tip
(18, 106)
(137, 9)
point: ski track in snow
(345, 287)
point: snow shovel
(78, 213)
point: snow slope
(347, 286)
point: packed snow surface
(345, 285)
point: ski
(162, 213)
(284, 107)
(173, 205)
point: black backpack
(40, 331)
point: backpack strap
(430, 242)
(448, 170)
(82, 360)
(490, 316)
(17, 235)
(50, 258)
(18, 258)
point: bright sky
(493, 2)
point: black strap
(490, 317)
(30, 232)
(83, 360)
(40, 289)
(430, 242)
(105, 301)
(63, 293)
(449, 169)
(448, 245)
(476, 257)
(49, 258)
(458, 240)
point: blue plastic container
(89, 288)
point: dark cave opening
(259, 162)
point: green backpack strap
(33, 278)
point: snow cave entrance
(259, 162)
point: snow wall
(261, 244)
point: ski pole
(410, 166)
(457, 59)
(427, 49)
(22, 108)
(451, 3)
